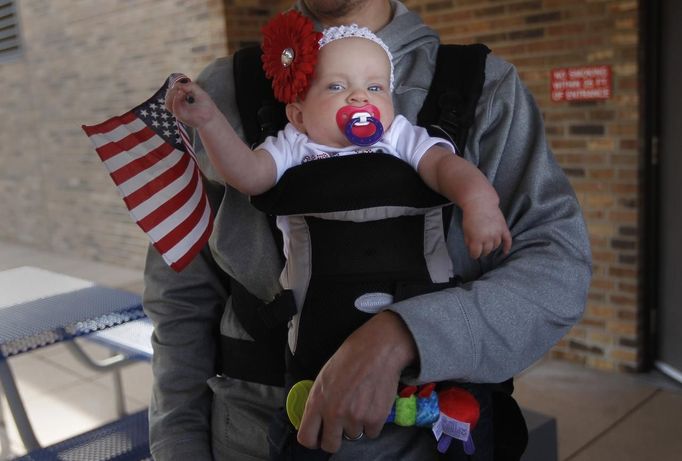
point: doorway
(666, 156)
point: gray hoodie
(509, 313)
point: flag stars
(157, 117)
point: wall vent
(10, 45)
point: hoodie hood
(414, 47)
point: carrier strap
(348, 182)
(262, 320)
(256, 361)
(450, 106)
(261, 114)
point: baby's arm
(483, 224)
(249, 171)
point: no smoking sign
(581, 83)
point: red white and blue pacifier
(360, 125)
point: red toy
(451, 413)
(459, 413)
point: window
(9, 30)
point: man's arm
(185, 309)
(514, 308)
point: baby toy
(452, 413)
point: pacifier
(360, 125)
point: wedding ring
(354, 439)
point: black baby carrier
(373, 233)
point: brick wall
(84, 61)
(597, 143)
(244, 19)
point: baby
(347, 109)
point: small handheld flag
(149, 156)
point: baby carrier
(372, 231)
(364, 231)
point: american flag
(150, 158)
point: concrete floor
(600, 416)
(606, 416)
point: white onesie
(402, 139)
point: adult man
(509, 313)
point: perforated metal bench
(29, 325)
(129, 342)
(132, 339)
(125, 439)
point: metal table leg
(5, 451)
(113, 363)
(16, 407)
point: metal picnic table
(87, 310)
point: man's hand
(355, 389)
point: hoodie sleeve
(185, 309)
(511, 309)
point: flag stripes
(181, 223)
(134, 166)
(167, 200)
(142, 177)
(111, 128)
(115, 162)
(150, 159)
(170, 222)
(166, 178)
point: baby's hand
(485, 229)
(190, 104)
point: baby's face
(350, 72)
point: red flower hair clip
(290, 47)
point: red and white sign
(581, 83)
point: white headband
(331, 34)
